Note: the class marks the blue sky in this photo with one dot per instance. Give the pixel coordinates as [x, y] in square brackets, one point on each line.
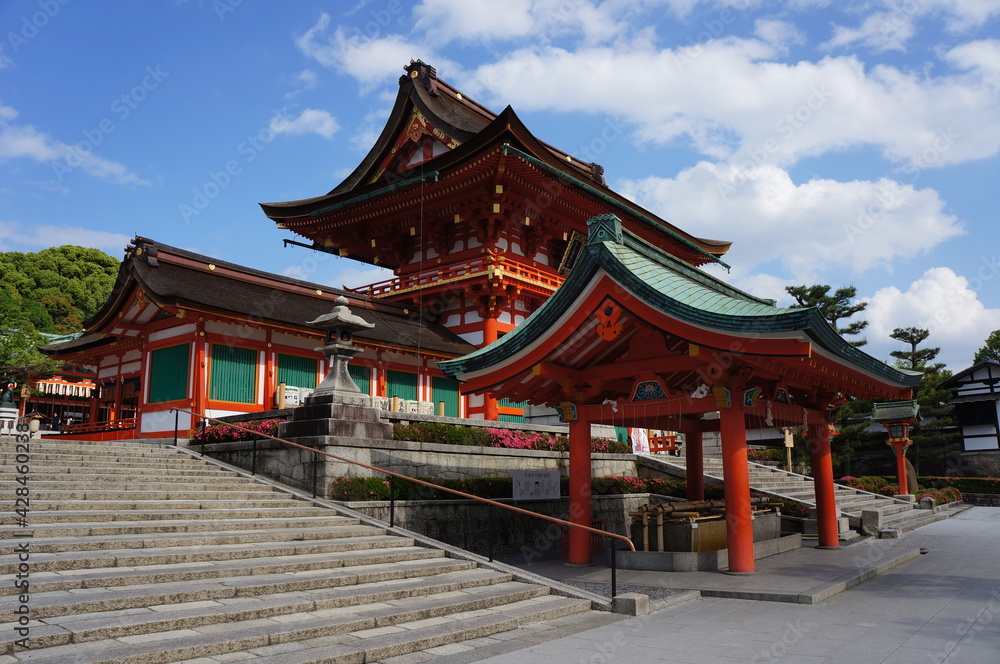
[839, 143]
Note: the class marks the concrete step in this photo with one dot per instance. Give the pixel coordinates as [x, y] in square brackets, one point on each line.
[145, 555]
[232, 503]
[115, 577]
[366, 583]
[153, 555]
[294, 510]
[107, 528]
[334, 635]
[200, 539]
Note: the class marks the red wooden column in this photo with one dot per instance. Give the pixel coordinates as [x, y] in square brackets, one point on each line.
[491, 334]
[826, 503]
[899, 449]
[579, 490]
[736, 473]
[694, 460]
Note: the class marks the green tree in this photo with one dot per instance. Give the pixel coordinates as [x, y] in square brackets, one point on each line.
[58, 287]
[835, 308]
[934, 437]
[991, 351]
[915, 359]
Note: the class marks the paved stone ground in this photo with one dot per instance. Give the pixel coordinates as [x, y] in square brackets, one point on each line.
[941, 608]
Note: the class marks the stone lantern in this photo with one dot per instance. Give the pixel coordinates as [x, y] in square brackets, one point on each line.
[897, 416]
[338, 386]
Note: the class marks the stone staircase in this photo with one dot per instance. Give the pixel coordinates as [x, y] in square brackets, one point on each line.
[888, 518]
[143, 554]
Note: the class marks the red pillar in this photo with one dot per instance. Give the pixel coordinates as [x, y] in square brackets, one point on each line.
[579, 490]
[736, 473]
[899, 449]
[693, 456]
[826, 503]
[491, 334]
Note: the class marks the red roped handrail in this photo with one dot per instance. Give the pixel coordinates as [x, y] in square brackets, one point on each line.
[413, 479]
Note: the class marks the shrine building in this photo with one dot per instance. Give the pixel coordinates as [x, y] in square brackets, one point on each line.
[480, 221]
[185, 330]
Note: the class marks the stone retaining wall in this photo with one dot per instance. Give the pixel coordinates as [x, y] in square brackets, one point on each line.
[517, 538]
[982, 499]
[294, 466]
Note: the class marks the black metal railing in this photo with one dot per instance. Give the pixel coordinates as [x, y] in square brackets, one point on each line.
[255, 435]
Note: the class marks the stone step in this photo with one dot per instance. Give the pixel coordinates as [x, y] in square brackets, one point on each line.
[440, 588]
[368, 583]
[114, 577]
[130, 505]
[104, 528]
[112, 472]
[201, 539]
[48, 562]
[367, 634]
[82, 515]
[252, 491]
[129, 486]
[144, 555]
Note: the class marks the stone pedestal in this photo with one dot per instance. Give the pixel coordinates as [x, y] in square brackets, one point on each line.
[326, 415]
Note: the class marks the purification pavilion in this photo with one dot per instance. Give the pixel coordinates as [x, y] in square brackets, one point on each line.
[636, 337]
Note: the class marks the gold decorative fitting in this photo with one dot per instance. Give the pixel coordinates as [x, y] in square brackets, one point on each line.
[459, 95]
[499, 189]
[413, 231]
[458, 218]
[414, 74]
[439, 261]
[373, 243]
[496, 208]
[569, 158]
[319, 292]
[406, 311]
[211, 267]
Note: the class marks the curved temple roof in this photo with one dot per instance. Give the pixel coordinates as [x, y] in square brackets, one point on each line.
[710, 310]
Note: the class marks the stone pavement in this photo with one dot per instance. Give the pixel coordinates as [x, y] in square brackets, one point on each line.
[942, 607]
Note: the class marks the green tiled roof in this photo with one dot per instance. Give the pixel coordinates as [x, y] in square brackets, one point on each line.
[678, 290]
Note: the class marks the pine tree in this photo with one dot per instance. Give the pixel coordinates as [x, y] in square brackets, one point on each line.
[917, 359]
[834, 308]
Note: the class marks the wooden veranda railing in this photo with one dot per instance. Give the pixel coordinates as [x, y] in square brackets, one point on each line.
[392, 474]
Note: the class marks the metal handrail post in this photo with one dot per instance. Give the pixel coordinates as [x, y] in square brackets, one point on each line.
[177, 419]
[614, 569]
[253, 457]
[392, 501]
[315, 470]
[489, 532]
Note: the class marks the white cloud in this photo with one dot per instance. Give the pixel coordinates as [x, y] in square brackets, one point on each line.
[943, 302]
[884, 31]
[319, 269]
[474, 21]
[981, 59]
[26, 142]
[894, 23]
[731, 95]
[310, 121]
[307, 78]
[777, 33]
[825, 226]
[370, 59]
[31, 237]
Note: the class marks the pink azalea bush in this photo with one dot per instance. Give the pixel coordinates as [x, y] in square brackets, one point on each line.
[450, 434]
[224, 433]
